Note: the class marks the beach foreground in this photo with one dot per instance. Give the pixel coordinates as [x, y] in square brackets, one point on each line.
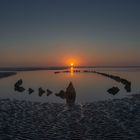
[108, 120]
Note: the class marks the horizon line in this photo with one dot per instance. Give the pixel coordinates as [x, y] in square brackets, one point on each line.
[76, 66]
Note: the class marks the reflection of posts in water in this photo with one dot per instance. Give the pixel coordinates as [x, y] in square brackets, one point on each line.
[71, 70]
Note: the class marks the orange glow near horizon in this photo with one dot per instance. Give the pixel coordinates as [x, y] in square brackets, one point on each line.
[71, 64]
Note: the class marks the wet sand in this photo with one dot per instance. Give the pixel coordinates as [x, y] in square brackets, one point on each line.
[30, 68]
[117, 119]
[7, 74]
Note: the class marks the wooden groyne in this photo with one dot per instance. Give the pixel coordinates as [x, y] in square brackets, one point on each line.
[125, 82]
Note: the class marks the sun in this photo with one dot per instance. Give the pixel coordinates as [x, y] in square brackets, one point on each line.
[71, 64]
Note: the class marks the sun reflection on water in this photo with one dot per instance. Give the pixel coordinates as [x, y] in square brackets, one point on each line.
[71, 70]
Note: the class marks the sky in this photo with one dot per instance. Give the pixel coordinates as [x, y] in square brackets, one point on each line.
[60, 32]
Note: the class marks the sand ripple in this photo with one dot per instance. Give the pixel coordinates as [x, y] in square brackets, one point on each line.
[107, 120]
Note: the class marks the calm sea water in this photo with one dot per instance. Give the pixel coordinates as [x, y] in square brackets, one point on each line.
[89, 86]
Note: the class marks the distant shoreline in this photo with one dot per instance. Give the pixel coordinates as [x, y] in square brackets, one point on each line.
[7, 74]
[30, 68]
[58, 68]
[9, 71]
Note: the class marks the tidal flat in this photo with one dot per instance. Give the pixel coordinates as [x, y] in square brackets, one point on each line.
[116, 119]
[7, 74]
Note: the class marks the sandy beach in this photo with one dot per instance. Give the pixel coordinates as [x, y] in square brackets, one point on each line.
[108, 120]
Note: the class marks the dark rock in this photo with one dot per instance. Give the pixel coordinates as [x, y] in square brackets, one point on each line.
[76, 71]
[113, 90]
[61, 94]
[57, 72]
[41, 91]
[67, 71]
[128, 87]
[18, 87]
[85, 71]
[19, 82]
[123, 81]
[30, 90]
[49, 92]
[70, 94]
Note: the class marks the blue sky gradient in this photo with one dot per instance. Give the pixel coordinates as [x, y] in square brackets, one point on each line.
[53, 32]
